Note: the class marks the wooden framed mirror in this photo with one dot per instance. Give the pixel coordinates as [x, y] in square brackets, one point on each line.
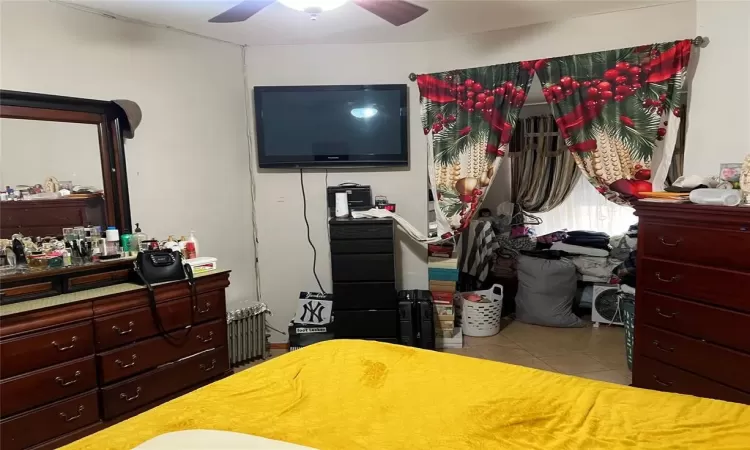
[51, 142]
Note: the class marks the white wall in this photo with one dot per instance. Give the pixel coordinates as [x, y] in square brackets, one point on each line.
[32, 150]
[284, 253]
[719, 118]
[188, 164]
[281, 230]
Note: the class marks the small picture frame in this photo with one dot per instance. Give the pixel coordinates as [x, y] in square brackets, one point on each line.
[731, 172]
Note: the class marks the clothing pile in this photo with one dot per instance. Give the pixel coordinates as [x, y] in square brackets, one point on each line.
[589, 243]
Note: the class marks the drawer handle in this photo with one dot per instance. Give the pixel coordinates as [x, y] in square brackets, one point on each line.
[125, 366]
[125, 397]
[72, 418]
[663, 383]
[670, 244]
[670, 280]
[209, 368]
[67, 347]
[209, 339]
[62, 382]
[658, 345]
[203, 311]
[119, 330]
[668, 316]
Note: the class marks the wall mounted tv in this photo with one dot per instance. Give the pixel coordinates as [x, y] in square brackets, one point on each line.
[331, 126]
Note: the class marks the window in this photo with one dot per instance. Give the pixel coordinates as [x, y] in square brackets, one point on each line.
[586, 209]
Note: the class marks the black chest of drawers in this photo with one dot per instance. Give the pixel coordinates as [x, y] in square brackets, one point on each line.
[364, 279]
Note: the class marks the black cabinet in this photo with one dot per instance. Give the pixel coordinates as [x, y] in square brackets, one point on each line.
[364, 282]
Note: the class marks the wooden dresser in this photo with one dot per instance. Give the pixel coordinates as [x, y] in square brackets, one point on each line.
[73, 364]
[692, 313]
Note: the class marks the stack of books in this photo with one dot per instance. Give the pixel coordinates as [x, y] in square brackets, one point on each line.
[443, 275]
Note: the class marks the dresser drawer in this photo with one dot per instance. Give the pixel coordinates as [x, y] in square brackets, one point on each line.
[143, 389]
[136, 324]
[364, 295]
[43, 386]
[651, 374]
[362, 230]
[716, 325]
[371, 324]
[361, 246]
[712, 361]
[363, 267]
[210, 305]
[46, 348]
[720, 287]
[139, 357]
[42, 424]
[707, 247]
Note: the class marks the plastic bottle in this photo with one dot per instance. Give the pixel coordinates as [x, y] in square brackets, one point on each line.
[183, 242]
[137, 239]
[194, 240]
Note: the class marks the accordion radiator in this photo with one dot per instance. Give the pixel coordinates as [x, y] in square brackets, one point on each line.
[247, 336]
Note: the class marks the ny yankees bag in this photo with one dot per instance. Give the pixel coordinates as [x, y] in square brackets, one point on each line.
[314, 308]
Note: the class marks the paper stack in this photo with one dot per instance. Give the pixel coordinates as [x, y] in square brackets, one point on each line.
[443, 274]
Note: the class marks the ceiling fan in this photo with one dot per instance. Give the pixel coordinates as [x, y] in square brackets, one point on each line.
[397, 12]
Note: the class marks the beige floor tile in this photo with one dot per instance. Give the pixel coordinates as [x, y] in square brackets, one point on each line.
[574, 363]
[497, 339]
[611, 376]
[612, 358]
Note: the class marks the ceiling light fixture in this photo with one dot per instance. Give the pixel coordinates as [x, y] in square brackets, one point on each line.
[313, 7]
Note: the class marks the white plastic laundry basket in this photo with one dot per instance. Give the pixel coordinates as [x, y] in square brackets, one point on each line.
[482, 319]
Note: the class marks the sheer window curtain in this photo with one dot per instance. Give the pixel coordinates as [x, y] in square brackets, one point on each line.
[586, 209]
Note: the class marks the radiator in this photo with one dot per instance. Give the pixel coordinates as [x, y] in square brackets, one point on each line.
[247, 338]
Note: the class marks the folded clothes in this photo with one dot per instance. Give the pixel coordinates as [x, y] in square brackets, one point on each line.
[544, 254]
[579, 250]
[593, 266]
[583, 233]
[593, 242]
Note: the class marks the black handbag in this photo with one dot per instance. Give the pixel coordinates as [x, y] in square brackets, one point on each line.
[159, 266]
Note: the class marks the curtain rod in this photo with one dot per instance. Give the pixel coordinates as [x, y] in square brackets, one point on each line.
[699, 41]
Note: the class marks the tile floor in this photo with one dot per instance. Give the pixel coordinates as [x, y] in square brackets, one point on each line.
[596, 353]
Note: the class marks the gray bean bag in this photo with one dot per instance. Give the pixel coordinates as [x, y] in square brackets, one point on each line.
[546, 289]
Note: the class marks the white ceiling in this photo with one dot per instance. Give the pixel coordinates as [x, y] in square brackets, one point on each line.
[278, 24]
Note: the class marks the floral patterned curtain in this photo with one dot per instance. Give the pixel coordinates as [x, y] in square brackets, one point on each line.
[468, 116]
[619, 113]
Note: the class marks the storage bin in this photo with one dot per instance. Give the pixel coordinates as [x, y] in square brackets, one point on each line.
[482, 319]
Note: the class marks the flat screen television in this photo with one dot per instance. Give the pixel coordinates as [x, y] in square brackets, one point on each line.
[331, 126]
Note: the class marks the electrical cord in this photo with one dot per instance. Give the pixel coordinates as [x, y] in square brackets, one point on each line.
[307, 224]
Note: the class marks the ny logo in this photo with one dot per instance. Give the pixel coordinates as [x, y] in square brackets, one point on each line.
[316, 312]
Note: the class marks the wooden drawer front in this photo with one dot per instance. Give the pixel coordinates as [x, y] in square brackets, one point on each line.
[23, 354]
[30, 291]
[82, 282]
[43, 386]
[136, 324]
[362, 246]
[717, 248]
[210, 305]
[126, 361]
[708, 323]
[367, 295]
[721, 287]
[717, 363]
[143, 389]
[362, 231]
[43, 424]
[374, 267]
[651, 374]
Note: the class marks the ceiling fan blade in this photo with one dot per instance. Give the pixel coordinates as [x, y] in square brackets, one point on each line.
[241, 12]
[397, 12]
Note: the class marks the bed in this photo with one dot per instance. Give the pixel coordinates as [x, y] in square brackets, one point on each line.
[367, 395]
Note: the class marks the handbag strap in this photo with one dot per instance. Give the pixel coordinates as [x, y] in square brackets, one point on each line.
[176, 341]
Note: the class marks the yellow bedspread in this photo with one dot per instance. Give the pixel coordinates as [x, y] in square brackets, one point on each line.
[367, 395]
